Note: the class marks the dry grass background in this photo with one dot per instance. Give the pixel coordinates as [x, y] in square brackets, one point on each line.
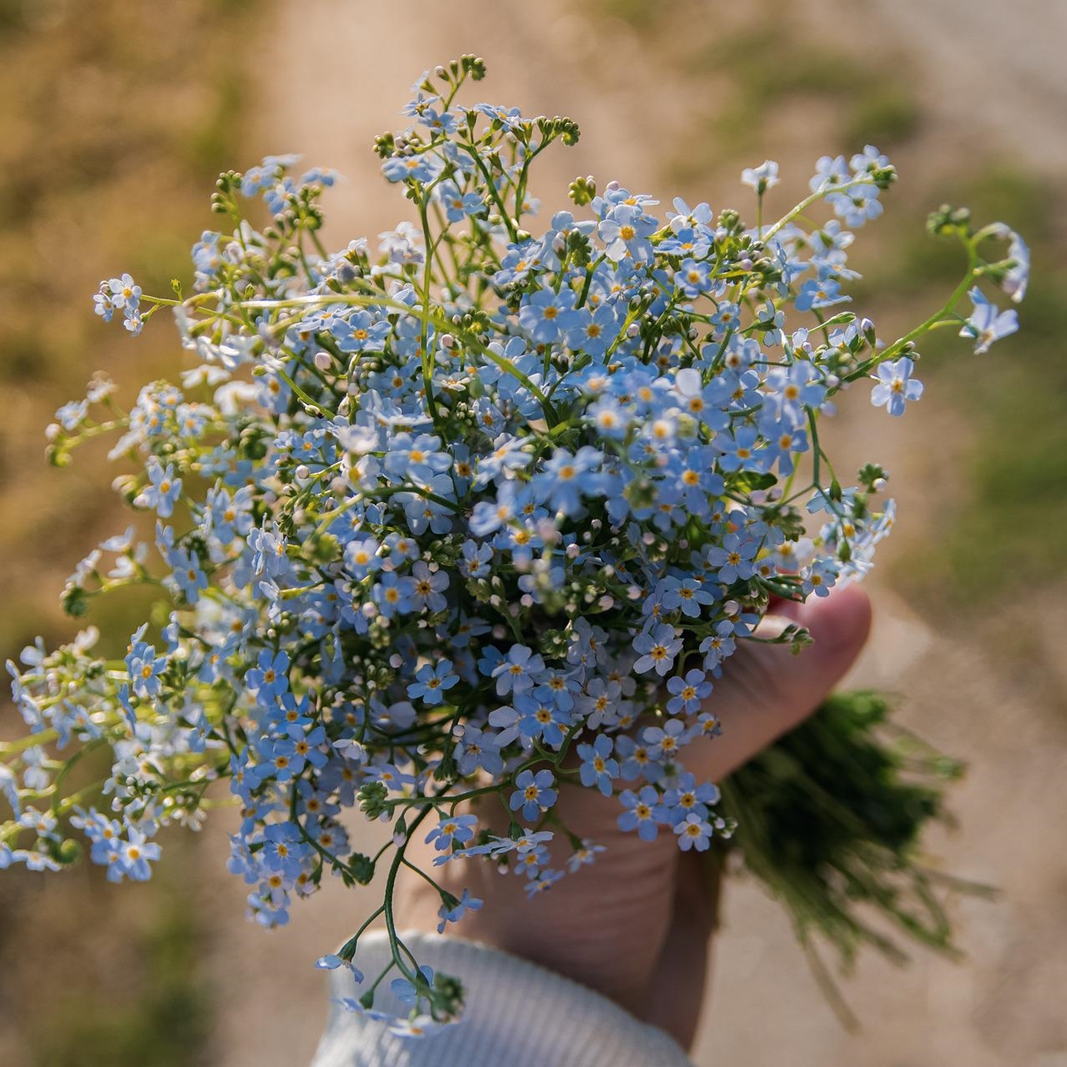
[115, 121]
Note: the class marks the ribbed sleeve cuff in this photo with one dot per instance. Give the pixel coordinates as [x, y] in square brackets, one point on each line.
[518, 1014]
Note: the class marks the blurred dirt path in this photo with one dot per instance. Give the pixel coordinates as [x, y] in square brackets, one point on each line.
[991, 68]
[334, 74]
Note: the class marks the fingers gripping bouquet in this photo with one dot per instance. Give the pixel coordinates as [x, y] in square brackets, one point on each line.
[479, 512]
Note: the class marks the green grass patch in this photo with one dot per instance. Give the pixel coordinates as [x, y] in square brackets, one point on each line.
[162, 1019]
[638, 14]
[884, 113]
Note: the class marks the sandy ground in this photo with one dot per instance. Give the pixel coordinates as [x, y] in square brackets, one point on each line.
[1002, 1007]
[1006, 58]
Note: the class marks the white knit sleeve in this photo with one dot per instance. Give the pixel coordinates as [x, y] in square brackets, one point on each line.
[517, 1015]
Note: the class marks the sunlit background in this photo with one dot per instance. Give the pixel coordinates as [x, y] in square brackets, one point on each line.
[115, 117]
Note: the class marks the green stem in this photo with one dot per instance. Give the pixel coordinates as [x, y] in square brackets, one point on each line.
[804, 204]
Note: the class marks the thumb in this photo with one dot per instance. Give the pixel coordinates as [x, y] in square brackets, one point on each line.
[766, 690]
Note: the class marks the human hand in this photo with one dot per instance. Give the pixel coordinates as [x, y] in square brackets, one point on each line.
[636, 924]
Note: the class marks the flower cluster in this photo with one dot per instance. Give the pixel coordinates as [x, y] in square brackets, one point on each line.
[475, 511]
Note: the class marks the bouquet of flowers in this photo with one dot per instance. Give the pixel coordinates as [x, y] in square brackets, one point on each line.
[482, 511]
